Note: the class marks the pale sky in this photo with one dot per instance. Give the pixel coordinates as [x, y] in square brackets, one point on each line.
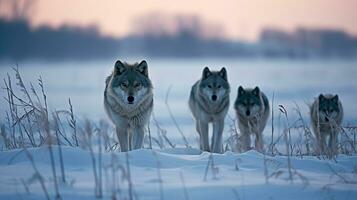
[241, 19]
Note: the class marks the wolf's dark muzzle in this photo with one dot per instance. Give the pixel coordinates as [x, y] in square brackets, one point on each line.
[130, 99]
[247, 112]
[214, 97]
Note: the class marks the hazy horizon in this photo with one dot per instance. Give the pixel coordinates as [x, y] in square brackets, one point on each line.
[233, 19]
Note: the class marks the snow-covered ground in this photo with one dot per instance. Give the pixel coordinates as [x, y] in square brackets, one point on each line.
[182, 172]
[185, 173]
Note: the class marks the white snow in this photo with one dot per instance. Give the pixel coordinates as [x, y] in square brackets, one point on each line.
[233, 176]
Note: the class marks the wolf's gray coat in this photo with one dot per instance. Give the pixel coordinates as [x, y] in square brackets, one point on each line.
[209, 103]
[252, 109]
[326, 114]
[128, 101]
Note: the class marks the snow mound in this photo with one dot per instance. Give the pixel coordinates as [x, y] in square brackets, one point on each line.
[179, 173]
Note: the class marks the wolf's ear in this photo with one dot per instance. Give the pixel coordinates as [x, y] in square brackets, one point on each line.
[223, 73]
[335, 99]
[206, 73]
[143, 68]
[119, 67]
[321, 97]
[256, 91]
[241, 91]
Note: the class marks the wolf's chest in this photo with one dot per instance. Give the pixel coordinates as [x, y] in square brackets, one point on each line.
[132, 116]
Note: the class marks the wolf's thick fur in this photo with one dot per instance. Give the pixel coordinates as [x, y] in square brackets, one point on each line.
[326, 117]
[252, 109]
[128, 101]
[209, 103]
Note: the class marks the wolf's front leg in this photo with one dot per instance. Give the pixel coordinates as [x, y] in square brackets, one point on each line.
[245, 141]
[138, 137]
[203, 130]
[322, 144]
[259, 146]
[216, 145]
[123, 137]
[333, 143]
[318, 142]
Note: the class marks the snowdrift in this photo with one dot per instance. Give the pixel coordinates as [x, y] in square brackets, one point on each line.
[180, 173]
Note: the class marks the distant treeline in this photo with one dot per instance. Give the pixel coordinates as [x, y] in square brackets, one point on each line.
[307, 43]
[19, 41]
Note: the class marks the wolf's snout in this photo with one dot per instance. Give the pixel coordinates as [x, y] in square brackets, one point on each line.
[130, 99]
[247, 112]
[214, 97]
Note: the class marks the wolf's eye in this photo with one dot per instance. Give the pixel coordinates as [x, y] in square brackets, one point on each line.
[209, 86]
[219, 86]
[137, 85]
[249, 104]
[123, 84]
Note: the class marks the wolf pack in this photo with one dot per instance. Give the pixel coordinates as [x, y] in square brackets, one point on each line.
[128, 101]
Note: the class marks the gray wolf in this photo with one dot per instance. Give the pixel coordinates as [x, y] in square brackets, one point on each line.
[252, 109]
[326, 114]
[209, 103]
[128, 101]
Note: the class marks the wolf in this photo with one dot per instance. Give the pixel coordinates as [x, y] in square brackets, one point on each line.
[209, 103]
[128, 101]
[326, 114]
[252, 110]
